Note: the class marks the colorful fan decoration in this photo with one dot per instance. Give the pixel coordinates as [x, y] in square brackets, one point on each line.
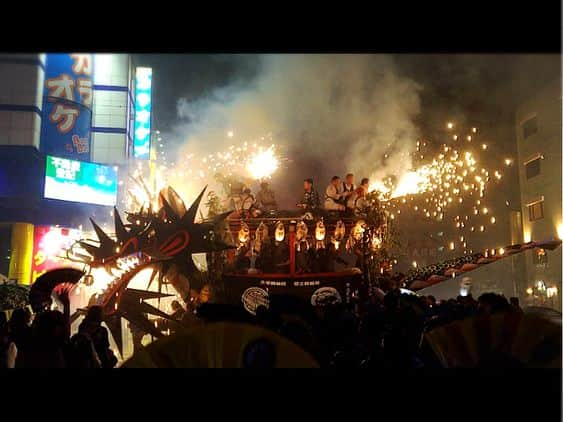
[508, 339]
[59, 281]
[222, 345]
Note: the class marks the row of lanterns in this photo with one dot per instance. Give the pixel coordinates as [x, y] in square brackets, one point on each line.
[261, 234]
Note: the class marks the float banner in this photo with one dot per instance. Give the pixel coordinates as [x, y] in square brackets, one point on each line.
[317, 289]
[78, 181]
[67, 106]
[49, 249]
[143, 108]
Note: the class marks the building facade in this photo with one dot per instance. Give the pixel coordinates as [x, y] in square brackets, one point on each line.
[77, 108]
[538, 133]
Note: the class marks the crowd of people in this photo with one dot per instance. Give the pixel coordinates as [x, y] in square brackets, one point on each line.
[384, 330]
[44, 341]
[340, 196]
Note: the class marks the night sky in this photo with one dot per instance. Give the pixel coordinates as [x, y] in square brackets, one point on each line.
[483, 87]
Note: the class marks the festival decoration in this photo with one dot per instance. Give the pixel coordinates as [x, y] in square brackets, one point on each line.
[161, 236]
[223, 345]
[320, 233]
[301, 231]
[280, 232]
[421, 278]
[260, 236]
[59, 281]
[244, 234]
[521, 339]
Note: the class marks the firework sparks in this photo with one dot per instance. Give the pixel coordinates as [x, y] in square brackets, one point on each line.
[263, 164]
[442, 181]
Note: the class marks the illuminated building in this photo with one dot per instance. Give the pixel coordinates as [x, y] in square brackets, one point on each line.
[59, 114]
[113, 108]
[538, 133]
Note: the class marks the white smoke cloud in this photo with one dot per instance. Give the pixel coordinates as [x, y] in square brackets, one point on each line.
[339, 113]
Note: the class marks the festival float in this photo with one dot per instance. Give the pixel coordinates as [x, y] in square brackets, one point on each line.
[249, 258]
[291, 256]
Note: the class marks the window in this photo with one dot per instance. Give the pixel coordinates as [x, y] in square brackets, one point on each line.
[530, 126]
[533, 167]
[535, 211]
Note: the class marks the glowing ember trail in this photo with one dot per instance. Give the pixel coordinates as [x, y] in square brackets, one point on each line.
[440, 184]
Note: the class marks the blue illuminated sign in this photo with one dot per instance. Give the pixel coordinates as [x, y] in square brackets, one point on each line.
[143, 107]
[67, 106]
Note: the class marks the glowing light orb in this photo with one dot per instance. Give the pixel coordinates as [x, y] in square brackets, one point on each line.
[263, 164]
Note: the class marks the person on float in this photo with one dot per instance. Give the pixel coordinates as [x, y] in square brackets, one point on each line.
[333, 196]
[247, 203]
[357, 200]
[310, 200]
[348, 186]
[266, 198]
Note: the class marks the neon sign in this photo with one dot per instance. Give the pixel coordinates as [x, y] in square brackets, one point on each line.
[143, 108]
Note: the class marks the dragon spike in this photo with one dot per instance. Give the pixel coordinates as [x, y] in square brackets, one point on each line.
[114, 324]
[105, 240]
[142, 323]
[189, 216]
[91, 249]
[153, 275]
[220, 217]
[145, 308]
[176, 201]
[134, 295]
[170, 213]
[120, 230]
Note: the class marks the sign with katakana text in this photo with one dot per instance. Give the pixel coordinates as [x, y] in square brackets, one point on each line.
[67, 105]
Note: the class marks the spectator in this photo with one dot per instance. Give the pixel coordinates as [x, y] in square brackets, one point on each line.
[91, 326]
[515, 304]
[20, 329]
[8, 349]
[491, 303]
[48, 342]
[81, 352]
